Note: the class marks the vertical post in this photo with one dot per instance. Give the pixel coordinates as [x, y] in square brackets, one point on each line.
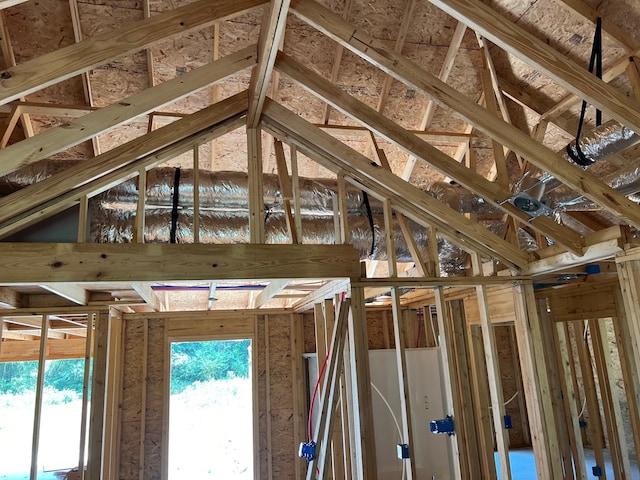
[455, 330]
[482, 407]
[85, 393]
[556, 391]
[140, 210]
[460, 469]
[610, 401]
[518, 378]
[42, 358]
[143, 397]
[348, 417]
[337, 452]
[267, 376]
[256, 197]
[196, 194]
[321, 341]
[98, 398]
[536, 383]
[82, 219]
[344, 218]
[113, 396]
[571, 402]
[296, 190]
[401, 362]
[495, 380]
[629, 279]
[593, 409]
[629, 373]
[297, 373]
[365, 449]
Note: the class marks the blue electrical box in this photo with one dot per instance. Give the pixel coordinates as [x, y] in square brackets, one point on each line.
[403, 450]
[307, 450]
[508, 424]
[592, 269]
[597, 471]
[444, 425]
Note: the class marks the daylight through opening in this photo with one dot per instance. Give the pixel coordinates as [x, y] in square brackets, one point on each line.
[211, 410]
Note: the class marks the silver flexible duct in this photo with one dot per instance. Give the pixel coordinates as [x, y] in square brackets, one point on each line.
[541, 196]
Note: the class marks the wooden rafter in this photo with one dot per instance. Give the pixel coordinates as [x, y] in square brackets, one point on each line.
[611, 29]
[132, 169]
[61, 64]
[509, 136]
[389, 130]
[10, 61]
[406, 198]
[74, 293]
[520, 43]
[445, 71]
[60, 138]
[407, 17]
[54, 188]
[335, 67]
[274, 287]
[271, 33]
[86, 82]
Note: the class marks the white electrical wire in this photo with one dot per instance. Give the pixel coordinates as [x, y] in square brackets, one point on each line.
[584, 404]
[511, 399]
[395, 420]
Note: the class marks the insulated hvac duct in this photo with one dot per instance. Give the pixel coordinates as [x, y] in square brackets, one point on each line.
[224, 215]
[539, 196]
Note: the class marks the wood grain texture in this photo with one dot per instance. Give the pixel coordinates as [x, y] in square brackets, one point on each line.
[407, 199]
[60, 138]
[153, 142]
[66, 62]
[67, 262]
[520, 43]
[416, 77]
[410, 143]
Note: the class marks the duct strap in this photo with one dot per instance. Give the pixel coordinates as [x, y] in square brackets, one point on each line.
[595, 62]
[174, 209]
[365, 198]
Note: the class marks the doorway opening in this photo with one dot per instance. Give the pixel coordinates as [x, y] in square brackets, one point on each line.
[211, 410]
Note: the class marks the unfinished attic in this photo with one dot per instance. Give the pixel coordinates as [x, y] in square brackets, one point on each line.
[342, 239]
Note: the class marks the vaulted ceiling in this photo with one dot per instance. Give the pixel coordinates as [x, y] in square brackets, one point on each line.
[436, 108]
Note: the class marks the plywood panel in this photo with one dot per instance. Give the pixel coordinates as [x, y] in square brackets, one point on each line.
[501, 306]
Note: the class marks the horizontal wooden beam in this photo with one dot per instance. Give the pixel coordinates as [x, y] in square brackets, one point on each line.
[386, 128]
[66, 62]
[431, 136]
[406, 198]
[436, 282]
[60, 138]
[69, 262]
[27, 350]
[533, 51]
[418, 78]
[593, 253]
